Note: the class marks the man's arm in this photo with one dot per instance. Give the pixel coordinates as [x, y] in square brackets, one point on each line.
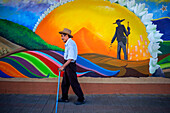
[127, 32]
[65, 64]
[114, 37]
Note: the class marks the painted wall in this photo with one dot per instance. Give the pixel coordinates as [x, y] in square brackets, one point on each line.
[31, 47]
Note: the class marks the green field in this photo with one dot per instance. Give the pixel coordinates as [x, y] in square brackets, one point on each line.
[165, 63]
[23, 36]
[165, 47]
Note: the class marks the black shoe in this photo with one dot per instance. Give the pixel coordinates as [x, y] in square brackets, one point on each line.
[63, 100]
[80, 102]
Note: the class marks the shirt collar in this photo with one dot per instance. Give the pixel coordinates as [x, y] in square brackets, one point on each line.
[67, 41]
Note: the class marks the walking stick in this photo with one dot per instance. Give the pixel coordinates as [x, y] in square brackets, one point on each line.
[58, 91]
[109, 48]
[127, 45]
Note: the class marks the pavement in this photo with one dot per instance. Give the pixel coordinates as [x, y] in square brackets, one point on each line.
[96, 103]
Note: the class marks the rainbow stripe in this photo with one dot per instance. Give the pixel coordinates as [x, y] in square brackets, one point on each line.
[44, 64]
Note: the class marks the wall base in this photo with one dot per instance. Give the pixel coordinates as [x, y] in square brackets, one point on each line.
[89, 86]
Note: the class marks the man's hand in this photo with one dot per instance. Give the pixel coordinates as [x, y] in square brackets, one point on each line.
[64, 65]
[128, 29]
[110, 45]
[61, 68]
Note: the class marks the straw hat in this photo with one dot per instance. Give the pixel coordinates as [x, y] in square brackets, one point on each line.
[117, 21]
[66, 31]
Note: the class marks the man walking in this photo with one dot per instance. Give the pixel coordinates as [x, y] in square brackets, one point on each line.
[69, 67]
[121, 38]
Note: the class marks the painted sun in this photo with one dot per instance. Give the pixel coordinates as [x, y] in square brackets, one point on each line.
[92, 28]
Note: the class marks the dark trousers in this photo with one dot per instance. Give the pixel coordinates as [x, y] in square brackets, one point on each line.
[123, 46]
[70, 78]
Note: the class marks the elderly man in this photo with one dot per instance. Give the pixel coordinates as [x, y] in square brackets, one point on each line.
[69, 67]
[121, 38]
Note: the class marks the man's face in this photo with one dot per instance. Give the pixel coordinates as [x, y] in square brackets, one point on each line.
[64, 37]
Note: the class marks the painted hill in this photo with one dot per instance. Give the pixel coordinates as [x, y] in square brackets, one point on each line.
[164, 62]
[164, 59]
[127, 68]
[7, 47]
[165, 47]
[23, 36]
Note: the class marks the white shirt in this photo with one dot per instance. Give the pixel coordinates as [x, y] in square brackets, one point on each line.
[70, 50]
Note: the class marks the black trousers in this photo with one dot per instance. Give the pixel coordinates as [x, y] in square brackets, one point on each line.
[70, 78]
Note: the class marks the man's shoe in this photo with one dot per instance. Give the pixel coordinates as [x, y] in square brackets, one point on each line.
[63, 100]
[80, 102]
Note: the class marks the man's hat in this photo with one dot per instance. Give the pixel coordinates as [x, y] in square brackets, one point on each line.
[118, 20]
[66, 31]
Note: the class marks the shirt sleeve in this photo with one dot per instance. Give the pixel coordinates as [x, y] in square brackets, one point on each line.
[71, 52]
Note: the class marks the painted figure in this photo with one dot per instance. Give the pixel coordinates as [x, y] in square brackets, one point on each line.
[69, 67]
[121, 38]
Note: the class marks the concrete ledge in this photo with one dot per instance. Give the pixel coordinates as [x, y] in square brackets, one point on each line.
[89, 86]
[127, 80]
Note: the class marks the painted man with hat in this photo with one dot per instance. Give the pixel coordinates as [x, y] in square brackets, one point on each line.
[69, 67]
[121, 38]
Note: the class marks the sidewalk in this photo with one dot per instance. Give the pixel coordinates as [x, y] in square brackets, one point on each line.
[106, 103]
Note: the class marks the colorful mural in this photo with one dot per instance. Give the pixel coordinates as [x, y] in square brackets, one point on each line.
[31, 47]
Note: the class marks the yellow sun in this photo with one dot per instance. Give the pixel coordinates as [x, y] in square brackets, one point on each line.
[92, 21]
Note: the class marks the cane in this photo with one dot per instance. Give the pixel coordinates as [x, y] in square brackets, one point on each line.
[127, 44]
[110, 48]
[58, 91]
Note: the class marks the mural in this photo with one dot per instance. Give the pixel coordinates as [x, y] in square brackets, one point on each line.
[115, 38]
